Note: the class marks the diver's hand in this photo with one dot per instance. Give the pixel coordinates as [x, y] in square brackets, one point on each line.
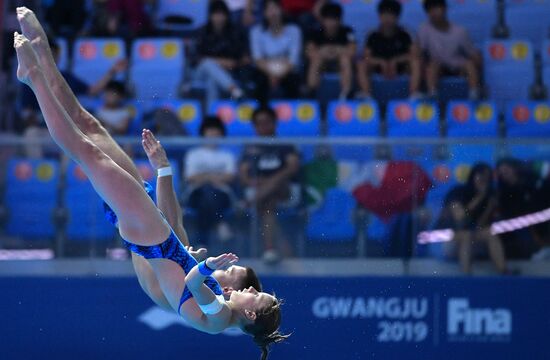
[154, 150]
[222, 261]
[199, 254]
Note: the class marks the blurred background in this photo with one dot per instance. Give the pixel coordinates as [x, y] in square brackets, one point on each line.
[315, 139]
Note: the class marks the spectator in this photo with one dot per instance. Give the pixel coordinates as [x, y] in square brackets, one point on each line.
[210, 172]
[389, 51]
[276, 48]
[66, 17]
[267, 172]
[31, 116]
[331, 47]
[114, 115]
[242, 12]
[470, 209]
[448, 49]
[304, 13]
[521, 192]
[132, 16]
[221, 48]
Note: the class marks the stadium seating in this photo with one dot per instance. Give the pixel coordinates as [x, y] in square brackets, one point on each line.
[545, 52]
[236, 116]
[63, 57]
[528, 19]
[31, 198]
[353, 118]
[361, 16]
[156, 68]
[412, 118]
[189, 112]
[195, 11]
[86, 221]
[509, 69]
[477, 16]
[527, 119]
[334, 220]
[149, 175]
[93, 57]
[297, 117]
[468, 119]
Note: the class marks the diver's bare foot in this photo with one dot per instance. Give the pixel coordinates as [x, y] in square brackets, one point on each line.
[28, 62]
[31, 28]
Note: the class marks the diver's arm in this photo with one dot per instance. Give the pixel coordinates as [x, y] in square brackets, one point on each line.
[167, 200]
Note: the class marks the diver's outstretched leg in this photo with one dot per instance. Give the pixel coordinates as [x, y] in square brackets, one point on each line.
[139, 220]
[88, 124]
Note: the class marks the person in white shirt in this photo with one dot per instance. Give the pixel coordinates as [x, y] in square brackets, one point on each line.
[113, 114]
[209, 172]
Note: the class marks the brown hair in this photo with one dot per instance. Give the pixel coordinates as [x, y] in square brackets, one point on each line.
[250, 279]
[265, 328]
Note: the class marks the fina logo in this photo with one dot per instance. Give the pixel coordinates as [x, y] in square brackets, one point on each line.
[158, 319]
[465, 323]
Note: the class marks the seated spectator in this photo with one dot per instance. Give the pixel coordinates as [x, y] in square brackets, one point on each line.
[209, 172]
[31, 116]
[331, 47]
[470, 209]
[66, 17]
[520, 192]
[267, 173]
[389, 51]
[242, 12]
[447, 49]
[304, 13]
[114, 115]
[276, 49]
[221, 48]
[132, 16]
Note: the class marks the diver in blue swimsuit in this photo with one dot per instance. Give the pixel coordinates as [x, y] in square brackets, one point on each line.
[139, 221]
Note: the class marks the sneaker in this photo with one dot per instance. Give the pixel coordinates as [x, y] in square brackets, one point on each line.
[416, 96]
[271, 257]
[362, 96]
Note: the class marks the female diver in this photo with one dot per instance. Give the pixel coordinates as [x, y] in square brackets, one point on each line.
[188, 287]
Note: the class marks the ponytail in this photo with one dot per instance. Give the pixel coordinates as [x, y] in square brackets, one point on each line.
[265, 341]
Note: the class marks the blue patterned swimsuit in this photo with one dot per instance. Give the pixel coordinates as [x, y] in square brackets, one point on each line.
[171, 249]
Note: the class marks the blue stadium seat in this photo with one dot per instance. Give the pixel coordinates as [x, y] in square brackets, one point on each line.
[31, 198]
[412, 118]
[93, 57]
[297, 117]
[189, 113]
[156, 68]
[545, 52]
[236, 116]
[149, 175]
[528, 19]
[92, 104]
[353, 118]
[195, 10]
[409, 118]
[63, 57]
[452, 88]
[527, 119]
[384, 90]
[477, 16]
[509, 69]
[334, 220]
[86, 220]
[467, 119]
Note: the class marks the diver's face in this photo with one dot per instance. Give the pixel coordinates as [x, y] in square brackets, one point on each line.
[231, 278]
[251, 299]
